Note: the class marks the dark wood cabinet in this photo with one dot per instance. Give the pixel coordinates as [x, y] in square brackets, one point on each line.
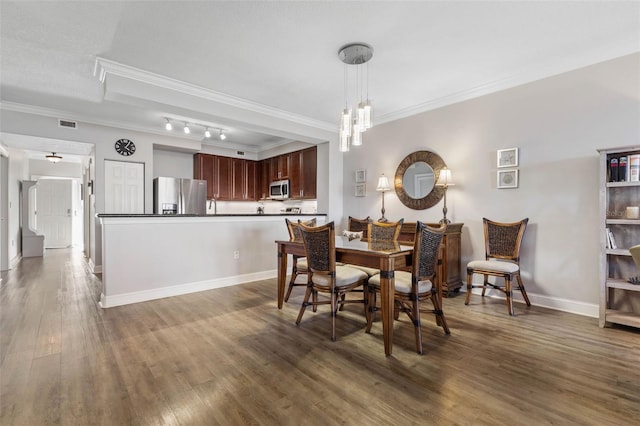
[302, 173]
[228, 179]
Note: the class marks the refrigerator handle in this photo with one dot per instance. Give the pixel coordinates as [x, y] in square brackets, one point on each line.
[180, 201]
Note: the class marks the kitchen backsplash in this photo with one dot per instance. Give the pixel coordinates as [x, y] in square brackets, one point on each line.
[270, 207]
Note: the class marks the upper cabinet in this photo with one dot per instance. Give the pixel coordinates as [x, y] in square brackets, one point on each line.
[237, 179]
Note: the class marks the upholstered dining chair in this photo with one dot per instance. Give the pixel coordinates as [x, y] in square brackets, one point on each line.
[502, 260]
[419, 285]
[380, 231]
[359, 225]
[299, 266]
[324, 275]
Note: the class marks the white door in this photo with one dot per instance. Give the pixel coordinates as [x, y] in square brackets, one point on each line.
[53, 212]
[124, 187]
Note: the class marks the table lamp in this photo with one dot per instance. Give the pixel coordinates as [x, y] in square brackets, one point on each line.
[445, 181]
[383, 186]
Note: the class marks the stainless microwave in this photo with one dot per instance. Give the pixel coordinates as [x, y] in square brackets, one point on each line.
[279, 190]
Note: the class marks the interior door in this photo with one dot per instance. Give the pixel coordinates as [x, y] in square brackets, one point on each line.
[53, 212]
[124, 187]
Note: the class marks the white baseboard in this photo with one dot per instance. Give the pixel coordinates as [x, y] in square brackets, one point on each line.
[95, 269]
[177, 290]
[559, 304]
[14, 262]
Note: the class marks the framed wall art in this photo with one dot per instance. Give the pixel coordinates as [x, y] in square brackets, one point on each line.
[507, 179]
[361, 190]
[508, 157]
[361, 176]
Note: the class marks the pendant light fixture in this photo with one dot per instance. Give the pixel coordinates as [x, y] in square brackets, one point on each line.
[354, 123]
[53, 157]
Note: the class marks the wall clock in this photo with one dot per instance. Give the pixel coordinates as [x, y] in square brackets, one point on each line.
[125, 147]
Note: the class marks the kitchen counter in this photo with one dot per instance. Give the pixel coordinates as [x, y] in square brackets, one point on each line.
[147, 257]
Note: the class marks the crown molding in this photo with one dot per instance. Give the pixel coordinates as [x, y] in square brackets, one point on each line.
[103, 67]
[549, 68]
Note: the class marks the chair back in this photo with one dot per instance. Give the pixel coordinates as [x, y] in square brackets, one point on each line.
[385, 231]
[359, 225]
[294, 229]
[320, 247]
[502, 240]
[425, 251]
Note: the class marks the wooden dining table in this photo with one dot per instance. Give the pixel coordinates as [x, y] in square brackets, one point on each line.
[386, 256]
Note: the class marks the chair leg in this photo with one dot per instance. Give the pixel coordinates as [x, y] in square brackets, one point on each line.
[334, 311]
[485, 283]
[305, 302]
[371, 311]
[342, 299]
[523, 291]
[415, 313]
[469, 287]
[315, 301]
[440, 319]
[509, 292]
[294, 275]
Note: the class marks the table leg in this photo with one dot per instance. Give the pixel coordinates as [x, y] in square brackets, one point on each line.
[387, 289]
[282, 274]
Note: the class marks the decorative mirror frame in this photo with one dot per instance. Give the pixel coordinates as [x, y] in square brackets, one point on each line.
[431, 199]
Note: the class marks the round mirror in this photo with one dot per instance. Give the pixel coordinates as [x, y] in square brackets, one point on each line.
[418, 180]
[415, 180]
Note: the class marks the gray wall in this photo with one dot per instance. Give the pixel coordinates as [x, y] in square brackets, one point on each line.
[557, 124]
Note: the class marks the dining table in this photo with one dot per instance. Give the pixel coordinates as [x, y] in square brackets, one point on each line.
[387, 256]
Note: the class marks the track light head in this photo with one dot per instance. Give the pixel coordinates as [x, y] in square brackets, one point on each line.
[168, 125]
[186, 128]
[222, 135]
[207, 133]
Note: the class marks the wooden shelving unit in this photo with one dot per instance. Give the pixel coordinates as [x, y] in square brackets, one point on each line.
[619, 299]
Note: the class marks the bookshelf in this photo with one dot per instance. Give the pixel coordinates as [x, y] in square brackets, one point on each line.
[619, 299]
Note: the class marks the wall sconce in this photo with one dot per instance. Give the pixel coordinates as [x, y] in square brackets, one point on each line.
[383, 186]
[445, 181]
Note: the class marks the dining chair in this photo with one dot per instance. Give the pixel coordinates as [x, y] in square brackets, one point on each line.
[419, 285]
[502, 260]
[299, 266]
[380, 231]
[359, 225]
[324, 275]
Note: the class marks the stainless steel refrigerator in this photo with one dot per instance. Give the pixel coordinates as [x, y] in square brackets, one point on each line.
[179, 196]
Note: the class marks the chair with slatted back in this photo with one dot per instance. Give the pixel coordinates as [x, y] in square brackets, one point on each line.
[502, 260]
[359, 225]
[299, 266]
[419, 285]
[324, 275]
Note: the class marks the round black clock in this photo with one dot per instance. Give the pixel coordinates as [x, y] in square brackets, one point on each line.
[125, 147]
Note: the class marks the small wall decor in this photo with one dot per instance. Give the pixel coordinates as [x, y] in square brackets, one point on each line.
[507, 179]
[361, 190]
[508, 157]
[361, 175]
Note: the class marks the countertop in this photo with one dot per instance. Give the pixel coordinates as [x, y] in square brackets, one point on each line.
[210, 215]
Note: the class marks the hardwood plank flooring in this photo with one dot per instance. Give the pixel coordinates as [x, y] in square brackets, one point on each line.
[230, 357]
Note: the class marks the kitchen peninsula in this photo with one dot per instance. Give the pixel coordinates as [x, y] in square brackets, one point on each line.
[147, 257]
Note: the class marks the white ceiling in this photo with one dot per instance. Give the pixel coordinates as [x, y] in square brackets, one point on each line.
[268, 71]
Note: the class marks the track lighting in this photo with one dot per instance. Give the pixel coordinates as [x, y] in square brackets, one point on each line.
[222, 135]
[168, 125]
[186, 128]
[53, 157]
[207, 133]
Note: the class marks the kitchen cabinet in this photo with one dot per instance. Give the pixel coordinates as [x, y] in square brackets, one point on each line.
[228, 179]
[302, 173]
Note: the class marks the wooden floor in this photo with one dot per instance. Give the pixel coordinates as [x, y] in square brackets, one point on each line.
[230, 357]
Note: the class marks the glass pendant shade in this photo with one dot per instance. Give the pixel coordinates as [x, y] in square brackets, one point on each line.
[368, 112]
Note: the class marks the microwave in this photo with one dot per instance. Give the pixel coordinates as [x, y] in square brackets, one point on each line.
[279, 190]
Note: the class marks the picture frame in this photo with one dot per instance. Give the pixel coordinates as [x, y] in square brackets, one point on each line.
[361, 175]
[360, 190]
[507, 179]
[507, 157]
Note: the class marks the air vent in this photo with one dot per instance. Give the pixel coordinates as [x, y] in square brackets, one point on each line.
[68, 124]
[240, 152]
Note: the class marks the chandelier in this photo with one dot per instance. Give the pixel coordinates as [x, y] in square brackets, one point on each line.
[353, 122]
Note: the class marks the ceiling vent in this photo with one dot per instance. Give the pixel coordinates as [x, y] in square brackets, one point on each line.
[68, 124]
[240, 152]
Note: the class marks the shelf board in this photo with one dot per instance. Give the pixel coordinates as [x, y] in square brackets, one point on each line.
[619, 252]
[622, 284]
[624, 318]
[623, 221]
[621, 184]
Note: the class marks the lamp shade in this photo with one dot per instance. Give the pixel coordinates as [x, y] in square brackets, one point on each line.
[444, 179]
[383, 183]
